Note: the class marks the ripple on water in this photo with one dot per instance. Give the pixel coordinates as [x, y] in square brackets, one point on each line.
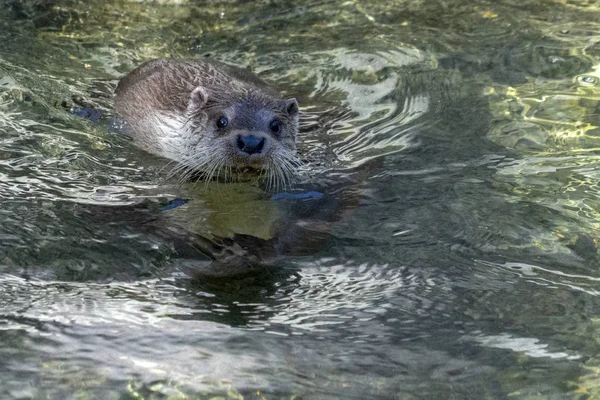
[392, 96]
[552, 125]
[158, 328]
[99, 333]
[374, 109]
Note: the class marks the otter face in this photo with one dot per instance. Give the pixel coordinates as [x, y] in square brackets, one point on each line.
[237, 132]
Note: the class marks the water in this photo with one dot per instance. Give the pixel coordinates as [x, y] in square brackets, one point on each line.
[453, 252]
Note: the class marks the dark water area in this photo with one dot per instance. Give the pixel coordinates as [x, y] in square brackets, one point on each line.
[452, 251]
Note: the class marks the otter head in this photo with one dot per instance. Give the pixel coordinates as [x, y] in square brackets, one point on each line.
[241, 130]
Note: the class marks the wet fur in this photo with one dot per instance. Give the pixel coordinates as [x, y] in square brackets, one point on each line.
[169, 107]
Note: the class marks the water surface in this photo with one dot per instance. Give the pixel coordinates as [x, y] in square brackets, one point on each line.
[453, 252]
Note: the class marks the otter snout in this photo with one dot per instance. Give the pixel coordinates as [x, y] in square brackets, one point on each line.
[250, 144]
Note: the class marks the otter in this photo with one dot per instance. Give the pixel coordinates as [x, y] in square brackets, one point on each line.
[211, 118]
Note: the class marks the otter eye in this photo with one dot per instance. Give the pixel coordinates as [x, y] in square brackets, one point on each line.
[222, 122]
[275, 126]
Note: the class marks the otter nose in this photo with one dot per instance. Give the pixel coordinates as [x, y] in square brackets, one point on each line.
[250, 144]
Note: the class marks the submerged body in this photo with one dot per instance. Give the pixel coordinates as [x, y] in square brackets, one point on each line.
[211, 118]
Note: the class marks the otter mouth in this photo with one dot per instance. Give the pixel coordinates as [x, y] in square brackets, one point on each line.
[249, 163]
[267, 168]
[249, 168]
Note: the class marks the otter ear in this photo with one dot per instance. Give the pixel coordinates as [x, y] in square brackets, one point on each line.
[291, 106]
[198, 98]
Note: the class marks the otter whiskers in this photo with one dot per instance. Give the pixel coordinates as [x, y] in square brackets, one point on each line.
[279, 173]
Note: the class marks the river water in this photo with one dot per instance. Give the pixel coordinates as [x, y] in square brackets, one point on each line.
[441, 243]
